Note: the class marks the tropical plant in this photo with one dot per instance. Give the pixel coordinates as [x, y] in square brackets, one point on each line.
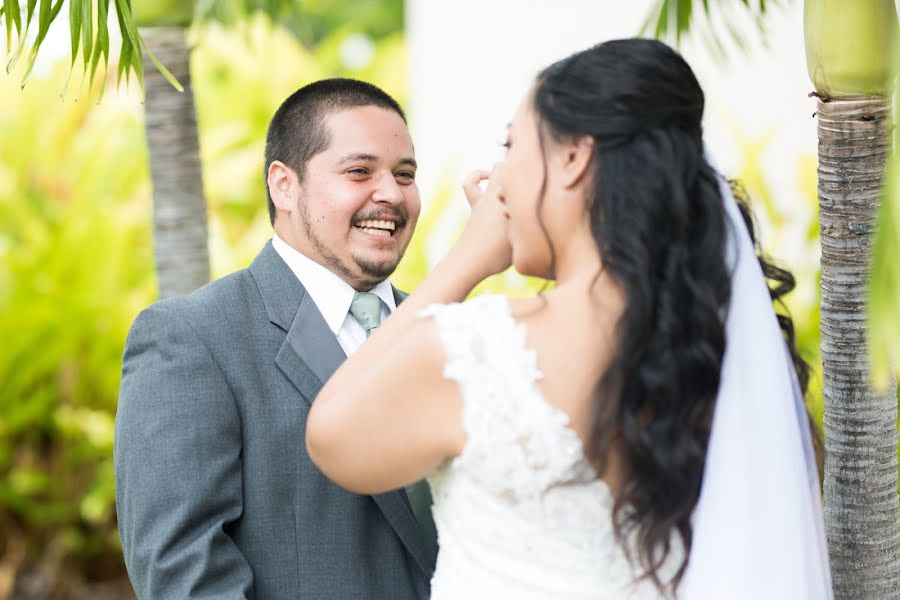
[884, 294]
[674, 19]
[151, 28]
[76, 266]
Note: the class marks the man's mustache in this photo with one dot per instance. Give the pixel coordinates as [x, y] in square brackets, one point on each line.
[385, 214]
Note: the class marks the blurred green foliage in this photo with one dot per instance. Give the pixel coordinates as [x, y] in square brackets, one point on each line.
[76, 261]
[76, 264]
[75, 267]
[313, 21]
[884, 293]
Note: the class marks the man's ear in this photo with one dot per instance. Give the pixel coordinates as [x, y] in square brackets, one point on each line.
[577, 156]
[283, 185]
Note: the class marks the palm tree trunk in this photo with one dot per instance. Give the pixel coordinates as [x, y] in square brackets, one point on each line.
[179, 206]
[861, 501]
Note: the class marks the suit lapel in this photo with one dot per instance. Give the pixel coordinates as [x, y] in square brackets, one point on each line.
[311, 343]
[399, 296]
[308, 357]
[396, 508]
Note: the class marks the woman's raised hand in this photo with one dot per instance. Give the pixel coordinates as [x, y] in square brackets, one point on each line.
[485, 241]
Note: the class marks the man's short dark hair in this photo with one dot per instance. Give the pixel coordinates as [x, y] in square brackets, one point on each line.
[298, 132]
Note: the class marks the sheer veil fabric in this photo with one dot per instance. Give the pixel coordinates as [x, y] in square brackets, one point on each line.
[758, 525]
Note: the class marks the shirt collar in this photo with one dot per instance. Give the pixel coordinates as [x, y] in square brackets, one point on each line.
[331, 294]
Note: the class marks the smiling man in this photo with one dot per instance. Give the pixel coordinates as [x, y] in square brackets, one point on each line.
[215, 494]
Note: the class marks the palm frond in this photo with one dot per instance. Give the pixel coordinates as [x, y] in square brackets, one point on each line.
[90, 34]
[672, 20]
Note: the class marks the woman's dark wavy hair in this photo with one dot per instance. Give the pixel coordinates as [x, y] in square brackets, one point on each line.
[659, 222]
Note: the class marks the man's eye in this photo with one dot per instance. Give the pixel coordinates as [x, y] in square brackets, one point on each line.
[358, 171]
[406, 175]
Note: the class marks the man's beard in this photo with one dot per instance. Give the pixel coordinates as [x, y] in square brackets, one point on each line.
[373, 272]
[379, 271]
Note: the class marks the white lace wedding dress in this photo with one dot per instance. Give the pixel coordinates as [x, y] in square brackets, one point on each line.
[520, 513]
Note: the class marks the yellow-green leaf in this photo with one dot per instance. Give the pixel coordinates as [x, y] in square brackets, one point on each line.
[126, 21]
[46, 14]
[74, 27]
[884, 284]
[87, 30]
[13, 17]
[165, 72]
[102, 44]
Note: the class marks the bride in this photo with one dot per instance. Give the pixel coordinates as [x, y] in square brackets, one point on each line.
[638, 431]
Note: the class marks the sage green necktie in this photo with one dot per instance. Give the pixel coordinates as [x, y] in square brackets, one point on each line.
[366, 308]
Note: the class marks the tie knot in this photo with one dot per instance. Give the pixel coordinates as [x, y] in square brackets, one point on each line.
[366, 308]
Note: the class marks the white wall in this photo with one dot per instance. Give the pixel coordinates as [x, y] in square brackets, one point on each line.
[472, 60]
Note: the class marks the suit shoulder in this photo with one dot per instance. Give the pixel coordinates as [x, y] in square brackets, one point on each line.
[225, 300]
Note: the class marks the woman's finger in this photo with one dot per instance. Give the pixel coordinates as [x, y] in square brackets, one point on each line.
[471, 185]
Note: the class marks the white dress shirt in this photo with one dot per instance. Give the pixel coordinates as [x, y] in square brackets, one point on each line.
[332, 295]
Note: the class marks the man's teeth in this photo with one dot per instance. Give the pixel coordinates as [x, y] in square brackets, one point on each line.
[379, 228]
[390, 225]
[378, 232]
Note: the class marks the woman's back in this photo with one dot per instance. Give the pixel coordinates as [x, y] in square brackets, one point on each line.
[520, 512]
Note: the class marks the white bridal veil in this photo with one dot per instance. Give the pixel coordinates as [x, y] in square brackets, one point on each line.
[758, 527]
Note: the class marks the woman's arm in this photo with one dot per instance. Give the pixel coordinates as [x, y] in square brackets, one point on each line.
[388, 417]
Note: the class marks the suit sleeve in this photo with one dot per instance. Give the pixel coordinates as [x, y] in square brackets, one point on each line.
[178, 465]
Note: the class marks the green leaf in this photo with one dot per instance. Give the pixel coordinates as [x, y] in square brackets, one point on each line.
[75, 17]
[14, 58]
[129, 29]
[124, 62]
[884, 291]
[12, 16]
[652, 17]
[87, 30]
[47, 12]
[685, 8]
[74, 27]
[102, 45]
[662, 22]
[127, 20]
[30, 13]
[124, 52]
[165, 72]
[674, 20]
[883, 302]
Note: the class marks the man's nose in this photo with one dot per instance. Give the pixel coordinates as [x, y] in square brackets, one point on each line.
[387, 190]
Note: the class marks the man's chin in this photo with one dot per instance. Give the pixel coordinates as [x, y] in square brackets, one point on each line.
[376, 272]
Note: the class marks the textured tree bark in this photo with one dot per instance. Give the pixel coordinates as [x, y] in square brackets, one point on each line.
[179, 206]
[861, 501]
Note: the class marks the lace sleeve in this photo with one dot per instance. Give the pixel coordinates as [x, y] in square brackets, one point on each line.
[517, 444]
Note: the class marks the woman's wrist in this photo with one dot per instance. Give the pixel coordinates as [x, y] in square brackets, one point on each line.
[460, 271]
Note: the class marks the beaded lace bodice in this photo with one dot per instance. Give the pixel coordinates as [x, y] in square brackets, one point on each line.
[520, 512]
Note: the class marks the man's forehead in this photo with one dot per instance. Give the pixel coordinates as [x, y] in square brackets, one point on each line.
[369, 131]
[372, 119]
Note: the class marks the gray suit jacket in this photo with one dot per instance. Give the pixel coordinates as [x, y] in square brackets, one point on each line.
[215, 495]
